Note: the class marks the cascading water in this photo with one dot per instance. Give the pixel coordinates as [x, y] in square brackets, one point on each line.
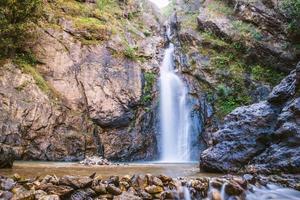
[175, 122]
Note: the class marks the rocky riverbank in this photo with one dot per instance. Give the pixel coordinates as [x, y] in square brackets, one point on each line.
[134, 187]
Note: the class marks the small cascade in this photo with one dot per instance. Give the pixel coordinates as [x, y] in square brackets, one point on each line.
[175, 114]
[272, 192]
[187, 195]
[223, 192]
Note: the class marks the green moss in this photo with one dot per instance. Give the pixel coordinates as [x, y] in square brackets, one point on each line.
[130, 52]
[149, 78]
[266, 75]
[227, 99]
[292, 11]
[247, 30]
[26, 63]
[189, 20]
[221, 62]
[220, 7]
[213, 40]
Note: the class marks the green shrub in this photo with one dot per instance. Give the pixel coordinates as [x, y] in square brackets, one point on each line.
[149, 78]
[103, 3]
[292, 10]
[223, 90]
[26, 62]
[130, 52]
[247, 30]
[17, 18]
[267, 75]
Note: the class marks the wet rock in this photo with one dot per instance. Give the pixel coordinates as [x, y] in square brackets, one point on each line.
[112, 189]
[127, 196]
[76, 182]
[60, 190]
[165, 179]
[20, 193]
[100, 189]
[145, 195]
[106, 197]
[124, 185]
[201, 185]
[7, 184]
[285, 90]
[139, 182]
[95, 160]
[233, 189]
[82, 195]
[6, 195]
[126, 178]
[114, 180]
[216, 195]
[262, 137]
[156, 181]
[50, 179]
[169, 195]
[7, 156]
[153, 189]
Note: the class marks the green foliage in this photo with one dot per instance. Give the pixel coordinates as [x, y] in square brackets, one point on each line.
[267, 75]
[223, 90]
[292, 9]
[220, 7]
[149, 78]
[130, 52]
[227, 99]
[103, 3]
[26, 63]
[221, 62]
[213, 40]
[16, 19]
[247, 30]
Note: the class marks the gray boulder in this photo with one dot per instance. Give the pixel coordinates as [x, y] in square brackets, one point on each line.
[7, 157]
[263, 137]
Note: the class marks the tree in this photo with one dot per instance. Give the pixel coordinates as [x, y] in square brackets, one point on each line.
[17, 17]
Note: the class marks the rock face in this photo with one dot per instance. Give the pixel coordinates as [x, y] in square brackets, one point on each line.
[262, 137]
[259, 25]
[7, 157]
[85, 94]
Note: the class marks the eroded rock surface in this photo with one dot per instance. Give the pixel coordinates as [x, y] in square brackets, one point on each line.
[262, 137]
[85, 95]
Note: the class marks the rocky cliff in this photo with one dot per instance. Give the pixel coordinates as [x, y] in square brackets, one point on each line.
[90, 87]
[262, 137]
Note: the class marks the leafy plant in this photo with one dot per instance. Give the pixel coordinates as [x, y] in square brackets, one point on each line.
[26, 63]
[149, 78]
[16, 20]
[130, 52]
[292, 10]
[103, 3]
[268, 75]
[247, 30]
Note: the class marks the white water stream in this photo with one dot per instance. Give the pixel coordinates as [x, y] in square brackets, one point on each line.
[175, 115]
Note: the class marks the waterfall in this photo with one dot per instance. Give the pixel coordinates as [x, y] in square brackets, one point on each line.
[175, 115]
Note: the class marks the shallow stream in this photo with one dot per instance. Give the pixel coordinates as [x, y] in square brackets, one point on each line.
[34, 169]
